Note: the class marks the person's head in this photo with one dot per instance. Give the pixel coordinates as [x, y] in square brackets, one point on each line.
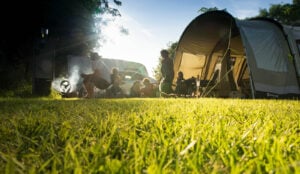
[94, 56]
[114, 71]
[180, 74]
[164, 54]
[146, 81]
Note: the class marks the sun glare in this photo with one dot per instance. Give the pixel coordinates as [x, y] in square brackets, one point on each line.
[137, 45]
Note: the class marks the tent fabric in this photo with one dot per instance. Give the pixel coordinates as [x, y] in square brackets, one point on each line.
[293, 34]
[262, 43]
[262, 36]
[268, 57]
[192, 62]
[200, 38]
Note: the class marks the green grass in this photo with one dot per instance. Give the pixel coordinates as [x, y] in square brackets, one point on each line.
[149, 136]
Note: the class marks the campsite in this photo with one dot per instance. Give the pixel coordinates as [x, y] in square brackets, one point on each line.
[252, 58]
[69, 69]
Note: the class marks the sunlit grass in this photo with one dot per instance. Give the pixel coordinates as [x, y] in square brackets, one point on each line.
[149, 136]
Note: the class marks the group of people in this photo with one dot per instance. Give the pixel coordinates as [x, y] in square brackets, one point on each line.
[113, 89]
[138, 89]
[145, 90]
[183, 87]
[187, 87]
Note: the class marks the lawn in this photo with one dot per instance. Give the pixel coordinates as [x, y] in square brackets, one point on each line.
[149, 136]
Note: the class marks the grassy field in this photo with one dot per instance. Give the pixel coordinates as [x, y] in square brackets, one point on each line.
[149, 136]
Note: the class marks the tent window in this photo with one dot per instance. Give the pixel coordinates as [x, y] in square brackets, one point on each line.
[270, 52]
[192, 60]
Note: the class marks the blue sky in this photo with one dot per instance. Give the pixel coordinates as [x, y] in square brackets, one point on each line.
[154, 24]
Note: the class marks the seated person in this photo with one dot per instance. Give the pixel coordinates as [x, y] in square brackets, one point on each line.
[114, 75]
[93, 80]
[148, 90]
[114, 89]
[135, 90]
[180, 84]
[191, 86]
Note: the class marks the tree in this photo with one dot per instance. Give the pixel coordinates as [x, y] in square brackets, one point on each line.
[205, 9]
[284, 13]
[27, 24]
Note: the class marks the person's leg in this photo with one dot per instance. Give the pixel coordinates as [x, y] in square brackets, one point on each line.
[89, 86]
[166, 87]
[90, 90]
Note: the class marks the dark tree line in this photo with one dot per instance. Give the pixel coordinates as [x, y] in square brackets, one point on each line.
[26, 25]
[284, 13]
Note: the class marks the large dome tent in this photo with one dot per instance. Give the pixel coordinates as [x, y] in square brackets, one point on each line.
[246, 58]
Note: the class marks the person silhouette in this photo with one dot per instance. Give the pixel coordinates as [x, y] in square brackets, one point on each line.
[167, 72]
[148, 90]
[135, 90]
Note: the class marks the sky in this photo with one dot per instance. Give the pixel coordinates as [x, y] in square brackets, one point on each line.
[152, 25]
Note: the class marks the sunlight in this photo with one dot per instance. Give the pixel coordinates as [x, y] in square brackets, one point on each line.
[137, 45]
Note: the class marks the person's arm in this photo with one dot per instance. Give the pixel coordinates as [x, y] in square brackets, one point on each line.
[163, 70]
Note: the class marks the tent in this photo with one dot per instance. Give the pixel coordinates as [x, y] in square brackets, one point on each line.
[254, 58]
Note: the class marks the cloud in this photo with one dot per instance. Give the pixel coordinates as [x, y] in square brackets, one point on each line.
[242, 14]
[244, 9]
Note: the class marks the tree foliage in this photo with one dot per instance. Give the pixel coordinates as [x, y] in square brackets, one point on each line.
[284, 13]
[205, 9]
[24, 26]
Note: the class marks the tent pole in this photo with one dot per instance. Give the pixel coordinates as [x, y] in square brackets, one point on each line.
[251, 85]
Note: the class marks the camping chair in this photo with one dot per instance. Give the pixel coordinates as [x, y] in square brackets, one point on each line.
[209, 85]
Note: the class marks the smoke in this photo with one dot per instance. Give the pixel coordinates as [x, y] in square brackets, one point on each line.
[74, 77]
[70, 83]
[56, 84]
